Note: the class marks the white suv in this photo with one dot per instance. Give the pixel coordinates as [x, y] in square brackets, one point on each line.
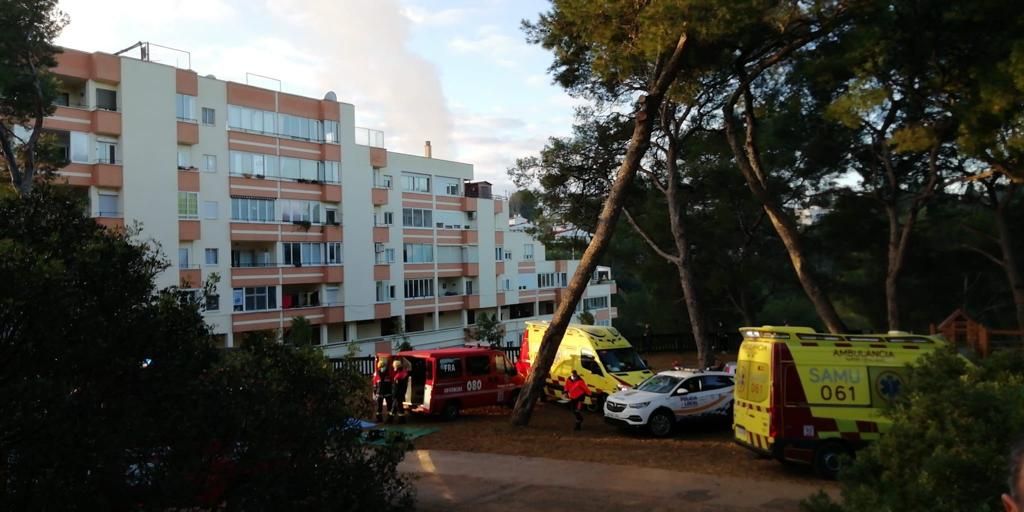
[667, 397]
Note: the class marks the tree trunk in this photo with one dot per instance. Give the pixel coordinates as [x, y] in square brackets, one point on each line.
[1013, 273]
[684, 264]
[748, 160]
[646, 111]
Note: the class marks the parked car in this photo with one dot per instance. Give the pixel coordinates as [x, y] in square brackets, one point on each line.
[445, 381]
[662, 400]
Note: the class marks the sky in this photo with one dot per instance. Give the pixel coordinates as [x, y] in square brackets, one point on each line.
[458, 73]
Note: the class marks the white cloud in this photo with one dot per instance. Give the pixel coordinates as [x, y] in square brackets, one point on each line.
[444, 17]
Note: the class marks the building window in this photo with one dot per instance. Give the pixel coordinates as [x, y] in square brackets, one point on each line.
[448, 186]
[527, 251]
[106, 99]
[385, 291]
[297, 210]
[79, 147]
[257, 298]
[213, 302]
[415, 183]
[184, 255]
[332, 296]
[331, 217]
[106, 152]
[331, 131]
[209, 116]
[108, 205]
[259, 164]
[188, 205]
[547, 280]
[334, 256]
[498, 253]
[253, 120]
[210, 163]
[303, 253]
[184, 157]
[417, 218]
[595, 303]
[300, 168]
[419, 288]
[329, 171]
[252, 210]
[418, 253]
[506, 284]
[212, 255]
[185, 107]
[382, 255]
[210, 210]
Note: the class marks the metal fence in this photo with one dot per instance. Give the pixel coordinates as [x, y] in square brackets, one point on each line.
[363, 365]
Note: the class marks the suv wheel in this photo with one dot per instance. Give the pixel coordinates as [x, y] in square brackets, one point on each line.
[660, 423]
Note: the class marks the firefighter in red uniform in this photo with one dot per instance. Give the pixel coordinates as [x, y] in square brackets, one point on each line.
[382, 378]
[399, 384]
[577, 391]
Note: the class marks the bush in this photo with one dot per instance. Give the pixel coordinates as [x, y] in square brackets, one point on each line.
[113, 397]
[949, 444]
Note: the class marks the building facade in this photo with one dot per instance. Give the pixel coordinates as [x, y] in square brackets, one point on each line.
[297, 211]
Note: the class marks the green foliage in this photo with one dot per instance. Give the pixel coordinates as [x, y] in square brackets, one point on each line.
[523, 203]
[489, 329]
[300, 332]
[585, 317]
[114, 398]
[27, 88]
[948, 447]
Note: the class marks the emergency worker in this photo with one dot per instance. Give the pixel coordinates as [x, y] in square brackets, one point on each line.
[381, 387]
[400, 382]
[576, 389]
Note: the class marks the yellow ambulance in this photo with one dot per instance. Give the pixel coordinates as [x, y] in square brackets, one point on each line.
[812, 397]
[601, 355]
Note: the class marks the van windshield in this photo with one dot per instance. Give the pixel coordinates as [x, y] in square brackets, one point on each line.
[617, 360]
[659, 384]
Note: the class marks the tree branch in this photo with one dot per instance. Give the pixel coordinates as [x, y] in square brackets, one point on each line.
[643, 234]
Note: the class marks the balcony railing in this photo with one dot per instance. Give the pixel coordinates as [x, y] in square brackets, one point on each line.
[255, 265]
[368, 137]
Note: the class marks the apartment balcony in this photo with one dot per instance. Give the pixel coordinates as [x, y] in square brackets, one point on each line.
[312, 274]
[418, 270]
[269, 275]
[449, 269]
[189, 230]
[423, 305]
[88, 66]
[382, 310]
[105, 175]
[255, 320]
[451, 302]
[547, 294]
[190, 276]
[379, 196]
[381, 234]
[80, 119]
[471, 301]
[332, 232]
[250, 185]
[188, 132]
[470, 237]
[499, 206]
[471, 269]
[110, 220]
[188, 179]
[375, 140]
[499, 268]
[382, 272]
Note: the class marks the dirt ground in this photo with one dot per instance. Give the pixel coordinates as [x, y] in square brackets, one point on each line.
[700, 447]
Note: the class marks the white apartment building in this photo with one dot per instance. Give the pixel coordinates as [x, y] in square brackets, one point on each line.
[298, 211]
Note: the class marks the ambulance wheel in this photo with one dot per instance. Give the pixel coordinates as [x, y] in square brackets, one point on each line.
[596, 404]
[660, 423]
[450, 411]
[828, 459]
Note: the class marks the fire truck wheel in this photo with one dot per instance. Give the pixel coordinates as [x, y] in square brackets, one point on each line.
[450, 411]
[828, 459]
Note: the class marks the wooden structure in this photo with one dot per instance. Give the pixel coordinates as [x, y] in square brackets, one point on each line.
[960, 329]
